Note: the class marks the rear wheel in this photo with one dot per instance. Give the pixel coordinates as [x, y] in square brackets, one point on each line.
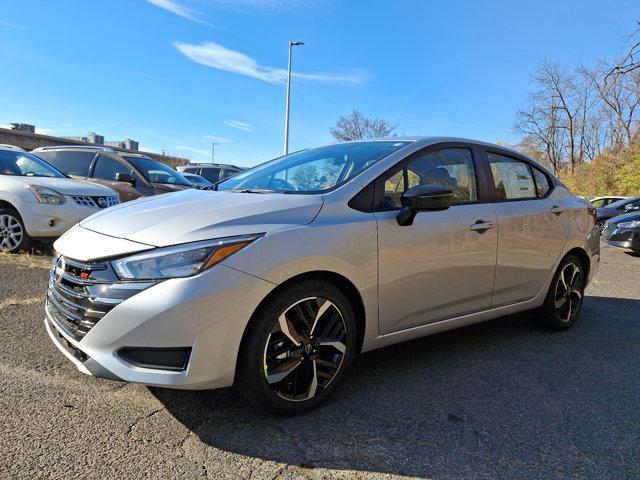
[565, 296]
[13, 236]
[298, 349]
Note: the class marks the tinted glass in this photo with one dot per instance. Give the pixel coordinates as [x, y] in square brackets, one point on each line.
[190, 170]
[313, 171]
[23, 164]
[107, 168]
[198, 180]
[211, 174]
[542, 182]
[450, 168]
[71, 163]
[512, 178]
[157, 172]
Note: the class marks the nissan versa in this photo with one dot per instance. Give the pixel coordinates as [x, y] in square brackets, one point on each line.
[275, 282]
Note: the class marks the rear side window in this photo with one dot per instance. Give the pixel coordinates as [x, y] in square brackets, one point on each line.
[211, 174]
[512, 178]
[226, 173]
[107, 168]
[71, 163]
[542, 182]
[190, 170]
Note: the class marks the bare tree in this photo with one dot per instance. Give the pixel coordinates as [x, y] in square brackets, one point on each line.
[620, 94]
[355, 126]
[631, 61]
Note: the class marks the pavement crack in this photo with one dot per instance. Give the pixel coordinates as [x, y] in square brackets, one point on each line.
[143, 417]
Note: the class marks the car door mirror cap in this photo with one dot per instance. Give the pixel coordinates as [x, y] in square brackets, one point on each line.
[423, 198]
[126, 177]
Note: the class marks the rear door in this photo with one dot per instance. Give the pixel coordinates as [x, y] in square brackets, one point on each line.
[443, 265]
[532, 226]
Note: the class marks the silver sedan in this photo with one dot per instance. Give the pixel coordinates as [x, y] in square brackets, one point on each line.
[277, 280]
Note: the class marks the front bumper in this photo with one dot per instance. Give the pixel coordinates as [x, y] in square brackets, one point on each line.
[207, 313]
[43, 221]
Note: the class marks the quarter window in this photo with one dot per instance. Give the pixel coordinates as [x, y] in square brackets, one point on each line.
[450, 168]
[107, 168]
[211, 174]
[512, 178]
[542, 182]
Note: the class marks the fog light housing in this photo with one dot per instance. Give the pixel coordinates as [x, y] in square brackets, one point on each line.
[175, 359]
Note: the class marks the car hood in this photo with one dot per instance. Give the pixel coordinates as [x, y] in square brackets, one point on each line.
[65, 186]
[169, 187]
[192, 215]
[626, 217]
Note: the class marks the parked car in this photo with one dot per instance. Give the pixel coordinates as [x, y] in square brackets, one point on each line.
[15, 148]
[599, 202]
[623, 231]
[616, 208]
[39, 202]
[199, 182]
[214, 172]
[276, 281]
[131, 175]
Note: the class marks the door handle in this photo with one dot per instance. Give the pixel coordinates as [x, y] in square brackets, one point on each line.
[556, 210]
[481, 226]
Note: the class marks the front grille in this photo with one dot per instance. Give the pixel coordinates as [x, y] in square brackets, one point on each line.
[96, 202]
[81, 293]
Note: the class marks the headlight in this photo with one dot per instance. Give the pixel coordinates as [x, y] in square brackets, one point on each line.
[632, 224]
[46, 195]
[180, 260]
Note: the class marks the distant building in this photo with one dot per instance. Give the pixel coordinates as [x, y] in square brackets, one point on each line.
[114, 144]
[23, 127]
[93, 137]
[130, 144]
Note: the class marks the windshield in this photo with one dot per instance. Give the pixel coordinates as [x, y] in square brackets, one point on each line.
[620, 203]
[312, 171]
[157, 172]
[198, 180]
[22, 164]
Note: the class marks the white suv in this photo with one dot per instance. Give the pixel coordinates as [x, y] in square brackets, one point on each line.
[38, 201]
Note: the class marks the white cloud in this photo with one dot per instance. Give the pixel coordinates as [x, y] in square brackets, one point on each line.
[177, 9]
[239, 125]
[216, 139]
[216, 56]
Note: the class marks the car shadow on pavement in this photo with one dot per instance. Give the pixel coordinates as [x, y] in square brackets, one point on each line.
[504, 398]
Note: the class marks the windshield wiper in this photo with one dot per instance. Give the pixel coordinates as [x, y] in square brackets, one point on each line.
[254, 190]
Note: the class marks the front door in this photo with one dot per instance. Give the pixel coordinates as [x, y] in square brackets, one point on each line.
[443, 265]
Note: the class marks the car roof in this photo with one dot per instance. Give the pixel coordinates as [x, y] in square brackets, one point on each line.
[13, 148]
[74, 147]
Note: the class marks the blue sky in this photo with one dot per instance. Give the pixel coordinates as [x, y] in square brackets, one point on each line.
[173, 74]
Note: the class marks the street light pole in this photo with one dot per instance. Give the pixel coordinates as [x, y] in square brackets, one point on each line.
[286, 115]
[213, 144]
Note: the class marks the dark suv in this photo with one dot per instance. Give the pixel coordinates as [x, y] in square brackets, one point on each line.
[131, 175]
[214, 172]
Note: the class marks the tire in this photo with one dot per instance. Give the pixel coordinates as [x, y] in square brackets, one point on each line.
[601, 223]
[297, 349]
[562, 305]
[13, 235]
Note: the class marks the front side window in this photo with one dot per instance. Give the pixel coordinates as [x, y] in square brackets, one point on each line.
[23, 164]
[512, 178]
[157, 172]
[71, 163]
[451, 168]
[316, 170]
[107, 168]
[600, 203]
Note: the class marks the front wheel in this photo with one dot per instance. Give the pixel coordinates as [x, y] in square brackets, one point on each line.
[565, 296]
[298, 349]
[13, 236]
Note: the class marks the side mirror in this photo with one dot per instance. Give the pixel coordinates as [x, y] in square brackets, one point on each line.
[126, 177]
[423, 198]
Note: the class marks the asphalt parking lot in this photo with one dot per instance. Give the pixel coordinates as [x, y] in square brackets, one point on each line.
[503, 399]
